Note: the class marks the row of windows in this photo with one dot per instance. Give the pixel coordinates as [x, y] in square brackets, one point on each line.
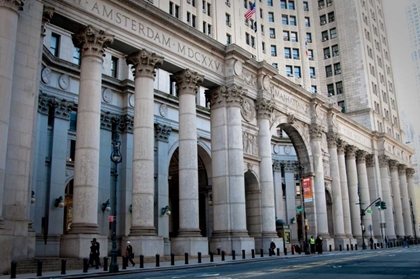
[333, 89]
[329, 69]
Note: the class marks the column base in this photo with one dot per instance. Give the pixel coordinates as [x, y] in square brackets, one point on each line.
[326, 242]
[264, 241]
[166, 246]
[189, 233]
[145, 245]
[189, 244]
[78, 245]
[143, 231]
[84, 228]
[343, 241]
[49, 249]
[229, 243]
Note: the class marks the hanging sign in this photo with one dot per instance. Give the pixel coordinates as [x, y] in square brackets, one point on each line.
[307, 189]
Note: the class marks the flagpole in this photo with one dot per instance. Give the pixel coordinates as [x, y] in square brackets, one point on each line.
[257, 31]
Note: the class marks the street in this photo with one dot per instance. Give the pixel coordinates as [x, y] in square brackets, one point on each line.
[389, 263]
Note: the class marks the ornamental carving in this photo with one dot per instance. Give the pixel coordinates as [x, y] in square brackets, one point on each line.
[47, 14]
[216, 97]
[16, 5]
[276, 165]
[264, 108]
[248, 110]
[126, 123]
[383, 161]
[351, 151]
[370, 161]
[326, 165]
[410, 172]
[62, 108]
[290, 118]
[361, 156]
[92, 41]
[393, 165]
[289, 166]
[43, 103]
[187, 82]
[332, 139]
[341, 146]
[234, 96]
[250, 144]
[109, 120]
[162, 132]
[402, 169]
[144, 63]
[315, 132]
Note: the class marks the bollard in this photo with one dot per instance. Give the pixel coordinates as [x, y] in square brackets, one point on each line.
[351, 247]
[223, 256]
[371, 246]
[172, 259]
[261, 253]
[124, 262]
[330, 248]
[253, 253]
[300, 249]
[105, 263]
[63, 266]
[278, 251]
[233, 255]
[39, 268]
[199, 257]
[355, 246]
[141, 261]
[347, 247]
[243, 254]
[285, 251]
[218, 251]
[186, 258]
[293, 250]
[211, 257]
[85, 265]
[13, 269]
[382, 245]
[341, 248]
[157, 260]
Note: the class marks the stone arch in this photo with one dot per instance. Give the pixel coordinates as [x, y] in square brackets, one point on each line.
[253, 204]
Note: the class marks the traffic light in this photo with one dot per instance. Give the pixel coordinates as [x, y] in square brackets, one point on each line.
[378, 204]
[383, 205]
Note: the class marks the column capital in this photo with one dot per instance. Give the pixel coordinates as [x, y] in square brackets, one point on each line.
[47, 14]
[277, 165]
[16, 5]
[383, 161]
[341, 146]
[43, 103]
[289, 166]
[62, 108]
[351, 151]
[332, 138]
[361, 156]
[410, 172]
[216, 97]
[315, 131]
[126, 123]
[393, 165]
[162, 132]
[370, 160]
[187, 81]
[402, 169]
[234, 96]
[144, 63]
[264, 108]
[108, 119]
[92, 41]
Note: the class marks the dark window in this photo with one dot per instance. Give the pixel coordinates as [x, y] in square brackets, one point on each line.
[73, 121]
[76, 56]
[55, 44]
[114, 66]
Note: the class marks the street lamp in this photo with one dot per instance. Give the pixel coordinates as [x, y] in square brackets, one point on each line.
[302, 199]
[116, 158]
[362, 213]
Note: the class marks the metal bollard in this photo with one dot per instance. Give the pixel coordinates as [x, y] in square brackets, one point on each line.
[105, 263]
[218, 251]
[355, 247]
[63, 266]
[278, 251]
[39, 268]
[141, 261]
[330, 248]
[13, 269]
[253, 253]
[157, 260]
[347, 247]
[199, 257]
[285, 251]
[223, 256]
[172, 259]
[341, 248]
[261, 253]
[186, 258]
[243, 254]
[233, 255]
[382, 245]
[351, 247]
[85, 265]
[371, 246]
[211, 257]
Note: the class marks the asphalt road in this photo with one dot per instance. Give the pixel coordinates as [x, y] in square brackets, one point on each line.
[372, 264]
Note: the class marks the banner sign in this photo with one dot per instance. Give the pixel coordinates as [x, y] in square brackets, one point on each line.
[307, 189]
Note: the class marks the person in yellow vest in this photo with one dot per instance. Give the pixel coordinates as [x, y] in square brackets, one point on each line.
[312, 244]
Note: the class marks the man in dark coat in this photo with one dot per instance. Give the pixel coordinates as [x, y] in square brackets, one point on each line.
[318, 243]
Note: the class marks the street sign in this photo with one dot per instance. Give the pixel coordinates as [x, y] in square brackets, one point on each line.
[299, 209]
[369, 211]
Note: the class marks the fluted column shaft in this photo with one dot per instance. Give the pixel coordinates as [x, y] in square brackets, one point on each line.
[353, 191]
[265, 109]
[408, 226]
[335, 186]
[386, 197]
[86, 167]
[9, 16]
[143, 186]
[187, 84]
[413, 200]
[320, 200]
[344, 189]
[398, 214]
[363, 187]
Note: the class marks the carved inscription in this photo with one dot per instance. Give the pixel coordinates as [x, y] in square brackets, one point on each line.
[289, 100]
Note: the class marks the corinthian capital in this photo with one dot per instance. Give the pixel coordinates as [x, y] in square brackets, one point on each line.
[410, 172]
[383, 161]
[332, 139]
[264, 108]
[217, 96]
[315, 131]
[235, 95]
[351, 151]
[393, 165]
[402, 169]
[341, 146]
[370, 161]
[92, 41]
[162, 132]
[361, 156]
[187, 82]
[16, 5]
[144, 63]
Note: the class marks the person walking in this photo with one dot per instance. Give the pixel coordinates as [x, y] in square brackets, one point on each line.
[94, 253]
[312, 244]
[129, 253]
[272, 247]
[318, 243]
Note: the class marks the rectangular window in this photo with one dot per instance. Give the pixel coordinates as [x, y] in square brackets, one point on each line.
[227, 16]
[204, 27]
[323, 19]
[293, 20]
[307, 22]
[76, 56]
[209, 29]
[327, 53]
[270, 17]
[337, 68]
[289, 71]
[330, 90]
[283, 4]
[297, 72]
[325, 36]
[247, 38]
[73, 121]
[294, 36]
[328, 70]
[333, 33]
[114, 66]
[339, 87]
[275, 65]
[312, 72]
[171, 8]
[286, 36]
[287, 52]
[331, 17]
[272, 33]
[176, 11]
[273, 50]
[208, 9]
[305, 6]
[270, 3]
[228, 39]
[72, 150]
[193, 21]
[310, 54]
[296, 53]
[291, 5]
[188, 17]
[309, 37]
[335, 50]
[313, 89]
[285, 19]
[343, 108]
[55, 44]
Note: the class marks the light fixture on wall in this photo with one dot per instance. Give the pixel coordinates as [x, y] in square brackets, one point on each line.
[293, 220]
[32, 197]
[165, 210]
[59, 202]
[210, 201]
[106, 207]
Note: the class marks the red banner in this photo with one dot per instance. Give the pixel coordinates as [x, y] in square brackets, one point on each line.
[307, 189]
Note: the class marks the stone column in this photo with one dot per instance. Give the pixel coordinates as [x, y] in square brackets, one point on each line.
[142, 230]
[278, 191]
[319, 187]
[289, 180]
[189, 237]
[364, 189]
[396, 193]
[162, 134]
[336, 189]
[353, 191]
[86, 167]
[386, 197]
[412, 194]
[408, 226]
[344, 189]
[264, 110]
[9, 16]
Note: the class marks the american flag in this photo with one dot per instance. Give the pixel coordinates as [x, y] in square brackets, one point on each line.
[306, 48]
[251, 11]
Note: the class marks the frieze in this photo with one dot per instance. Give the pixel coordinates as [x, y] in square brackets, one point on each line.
[351, 134]
[287, 99]
[250, 144]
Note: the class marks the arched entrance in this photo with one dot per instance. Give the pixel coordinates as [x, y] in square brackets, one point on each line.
[253, 204]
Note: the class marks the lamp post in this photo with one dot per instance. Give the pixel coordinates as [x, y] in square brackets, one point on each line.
[362, 213]
[302, 199]
[116, 158]
[413, 219]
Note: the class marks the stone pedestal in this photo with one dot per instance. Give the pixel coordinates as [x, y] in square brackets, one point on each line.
[78, 245]
[143, 245]
[238, 244]
[191, 245]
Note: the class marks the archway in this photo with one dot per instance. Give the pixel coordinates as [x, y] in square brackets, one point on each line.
[253, 204]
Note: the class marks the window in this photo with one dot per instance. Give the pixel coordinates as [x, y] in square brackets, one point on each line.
[328, 70]
[312, 72]
[297, 72]
[261, 13]
[305, 6]
[263, 47]
[247, 38]
[333, 33]
[245, 4]
[337, 68]
[72, 150]
[76, 56]
[283, 4]
[193, 3]
[270, 17]
[307, 22]
[294, 36]
[330, 90]
[171, 8]
[313, 89]
[287, 52]
[309, 37]
[270, 3]
[284, 19]
[286, 36]
[343, 108]
[335, 50]
[176, 11]
[327, 53]
[273, 50]
[275, 65]
[228, 39]
[204, 27]
[296, 53]
[291, 5]
[289, 71]
[73, 121]
[188, 17]
[209, 29]
[54, 44]
[272, 33]
[310, 54]
[227, 16]
[253, 41]
[321, 4]
[339, 87]
[325, 36]
[293, 20]
[323, 19]
[331, 17]
[114, 66]
[193, 21]
[208, 9]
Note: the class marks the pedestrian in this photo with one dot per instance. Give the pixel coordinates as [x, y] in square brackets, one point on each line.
[312, 244]
[129, 253]
[318, 243]
[405, 242]
[386, 242]
[272, 247]
[94, 253]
